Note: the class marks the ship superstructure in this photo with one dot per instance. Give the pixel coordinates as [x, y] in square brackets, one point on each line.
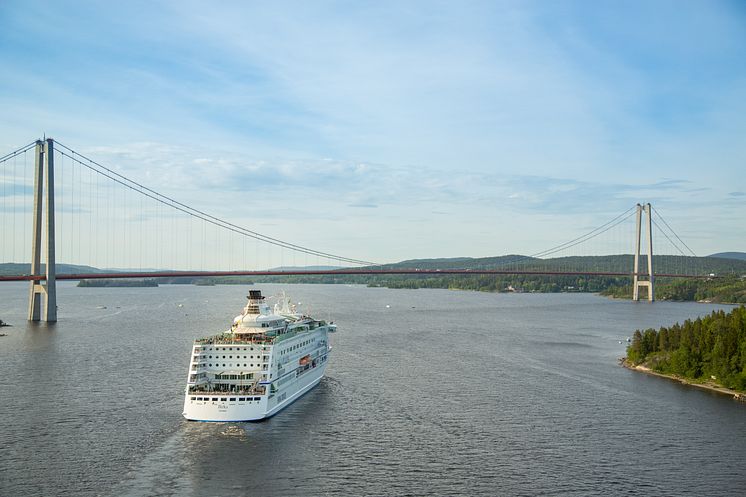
[267, 359]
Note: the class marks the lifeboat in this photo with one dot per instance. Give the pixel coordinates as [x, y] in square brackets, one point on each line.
[304, 360]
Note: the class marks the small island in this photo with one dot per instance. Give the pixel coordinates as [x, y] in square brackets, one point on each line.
[708, 352]
[118, 283]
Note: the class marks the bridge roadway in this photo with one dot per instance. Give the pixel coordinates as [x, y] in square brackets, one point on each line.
[337, 272]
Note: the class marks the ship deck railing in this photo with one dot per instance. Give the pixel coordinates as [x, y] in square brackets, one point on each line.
[260, 391]
[231, 340]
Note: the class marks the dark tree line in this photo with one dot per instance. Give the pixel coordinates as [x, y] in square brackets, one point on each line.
[713, 346]
[728, 289]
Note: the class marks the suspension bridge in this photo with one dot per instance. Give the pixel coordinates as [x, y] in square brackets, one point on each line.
[61, 205]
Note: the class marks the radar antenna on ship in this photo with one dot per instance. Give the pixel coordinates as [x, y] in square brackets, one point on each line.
[283, 305]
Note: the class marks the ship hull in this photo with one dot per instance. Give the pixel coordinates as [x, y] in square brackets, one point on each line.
[236, 408]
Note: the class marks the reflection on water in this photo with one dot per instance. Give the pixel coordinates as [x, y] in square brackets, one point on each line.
[427, 392]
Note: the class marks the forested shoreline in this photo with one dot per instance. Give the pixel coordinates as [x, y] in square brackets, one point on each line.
[723, 290]
[111, 283]
[708, 349]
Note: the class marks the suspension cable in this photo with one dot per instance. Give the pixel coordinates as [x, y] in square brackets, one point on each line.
[662, 232]
[674, 233]
[591, 234]
[200, 214]
[576, 241]
[21, 150]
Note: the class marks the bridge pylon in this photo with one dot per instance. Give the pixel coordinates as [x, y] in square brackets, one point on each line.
[637, 283]
[43, 213]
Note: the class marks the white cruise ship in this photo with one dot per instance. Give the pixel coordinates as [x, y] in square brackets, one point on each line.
[262, 364]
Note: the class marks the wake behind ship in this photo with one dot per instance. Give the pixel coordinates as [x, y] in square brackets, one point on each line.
[262, 364]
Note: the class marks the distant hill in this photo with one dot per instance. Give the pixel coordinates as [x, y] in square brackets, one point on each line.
[25, 268]
[741, 256]
[461, 262]
[672, 264]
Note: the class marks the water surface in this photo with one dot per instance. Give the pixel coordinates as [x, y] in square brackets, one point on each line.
[428, 392]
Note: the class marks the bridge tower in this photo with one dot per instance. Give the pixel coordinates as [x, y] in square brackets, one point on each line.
[43, 213]
[637, 283]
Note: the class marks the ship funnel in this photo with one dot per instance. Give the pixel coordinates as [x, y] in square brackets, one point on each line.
[255, 295]
[255, 298]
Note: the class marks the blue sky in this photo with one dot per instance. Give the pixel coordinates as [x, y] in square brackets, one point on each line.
[419, 129]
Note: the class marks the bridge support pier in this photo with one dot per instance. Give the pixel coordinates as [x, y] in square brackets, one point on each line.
[46, 293]
[638, 283]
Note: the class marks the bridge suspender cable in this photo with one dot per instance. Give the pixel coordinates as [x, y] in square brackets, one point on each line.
[21, 150]
[175, 204]
[143, 191]
[591, 234]
[674, 234]
[577, 241]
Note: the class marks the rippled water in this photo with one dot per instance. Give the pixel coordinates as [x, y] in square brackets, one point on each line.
[428, 392]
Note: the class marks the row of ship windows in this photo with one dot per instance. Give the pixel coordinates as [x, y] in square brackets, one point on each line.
[223, 349]
[237, 357]
[229, 365]
[232, 399]
[243, 376]
[273, 324]
[296, 346]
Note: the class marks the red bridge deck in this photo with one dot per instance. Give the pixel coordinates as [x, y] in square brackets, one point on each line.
[337, 272]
